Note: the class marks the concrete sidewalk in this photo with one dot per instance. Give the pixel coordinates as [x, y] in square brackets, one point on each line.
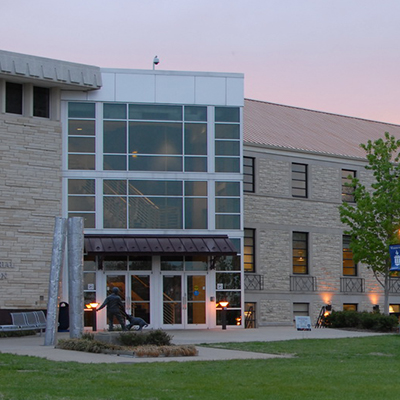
[34, 345]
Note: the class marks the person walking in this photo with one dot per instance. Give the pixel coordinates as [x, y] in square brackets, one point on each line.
[114, 307]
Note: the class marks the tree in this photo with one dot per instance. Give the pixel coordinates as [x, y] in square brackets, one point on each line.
[374, 220]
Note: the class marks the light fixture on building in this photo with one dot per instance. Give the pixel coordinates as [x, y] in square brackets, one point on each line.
[156, 61]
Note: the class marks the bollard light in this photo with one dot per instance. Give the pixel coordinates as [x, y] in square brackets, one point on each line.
[223, 304]
[92, 307]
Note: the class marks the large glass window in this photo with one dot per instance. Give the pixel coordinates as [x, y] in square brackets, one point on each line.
[249, 250]
[227, 139]
[299, 180]
[227, 205]
[300, 253]
[81, 136]
[154, 137]
[81, 200]
[248, 174]
[349, 266]
[156, 204]
[41, 102]
[347, 191]
[14, 93]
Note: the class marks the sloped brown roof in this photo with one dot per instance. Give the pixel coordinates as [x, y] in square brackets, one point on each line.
[286, 127]
[212, 245]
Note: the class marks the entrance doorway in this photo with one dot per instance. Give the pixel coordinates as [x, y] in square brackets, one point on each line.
[184, 300]
[134, 291]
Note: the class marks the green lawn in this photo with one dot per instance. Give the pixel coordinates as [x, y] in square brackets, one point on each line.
[357, 368]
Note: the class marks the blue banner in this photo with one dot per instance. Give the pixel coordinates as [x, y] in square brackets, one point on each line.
[394, 250]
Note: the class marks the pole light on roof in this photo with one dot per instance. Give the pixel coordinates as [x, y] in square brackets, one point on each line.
[156, 61]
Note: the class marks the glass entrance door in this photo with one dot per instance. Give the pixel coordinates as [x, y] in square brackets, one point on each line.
[184, 300]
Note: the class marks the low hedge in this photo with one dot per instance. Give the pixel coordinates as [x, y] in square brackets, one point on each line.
[362, 320]
[156, 337]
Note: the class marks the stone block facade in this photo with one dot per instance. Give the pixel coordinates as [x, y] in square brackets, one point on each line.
[31, 193]
[275, 214]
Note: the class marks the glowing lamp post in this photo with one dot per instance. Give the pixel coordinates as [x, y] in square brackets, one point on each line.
[92, 307]
[223, 304]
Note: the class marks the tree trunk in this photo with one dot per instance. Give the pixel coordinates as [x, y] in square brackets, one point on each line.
[386, 297]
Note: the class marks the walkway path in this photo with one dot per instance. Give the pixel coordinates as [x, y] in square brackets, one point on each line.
[33, 345]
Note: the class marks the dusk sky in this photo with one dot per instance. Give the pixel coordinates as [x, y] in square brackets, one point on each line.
[338, 56]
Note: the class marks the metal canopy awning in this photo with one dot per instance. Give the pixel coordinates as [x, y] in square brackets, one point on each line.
[213, 245]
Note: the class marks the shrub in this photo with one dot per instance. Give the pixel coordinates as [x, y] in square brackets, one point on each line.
[156, 337]
[85, 344]
[17, 333]
[361, 320]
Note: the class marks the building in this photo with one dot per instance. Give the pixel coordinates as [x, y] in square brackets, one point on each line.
[152, 160]
[296, 258]
[190, 195]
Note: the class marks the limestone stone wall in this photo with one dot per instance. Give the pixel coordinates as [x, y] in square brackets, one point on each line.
[30, 199]
[275, 215]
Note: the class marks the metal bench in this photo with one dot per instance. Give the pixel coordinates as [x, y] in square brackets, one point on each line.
[26, 321]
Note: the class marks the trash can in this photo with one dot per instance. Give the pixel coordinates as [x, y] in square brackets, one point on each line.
[63, 317]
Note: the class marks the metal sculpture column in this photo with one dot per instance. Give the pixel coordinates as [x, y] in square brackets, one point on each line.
[60, 232]
[75, 276]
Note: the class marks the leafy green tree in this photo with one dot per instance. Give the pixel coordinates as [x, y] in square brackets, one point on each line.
[374, 220]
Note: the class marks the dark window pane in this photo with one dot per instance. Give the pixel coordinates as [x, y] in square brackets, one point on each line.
[88, 219]
[196, 139]
[162, 188]
[41, 102]
[248, 174]
[81, 161]
[82, 127]
[227, 148]
[195, 164]
[153, 163]
[114, 111]
[228, 263]
[227, 114]
[114, 137]
[114, 163]
[81, 186]
[196, 213]
[227, 188]
[231, 205]
[114, 186]
[81, 110]
[13, 98]
[81, 203]
[195, 113]
[225, 131]
[195, 188]
[228, 280]
[155, 112]
[227, 221]
[114, 212]
[81, 145]
[155, 138]
[227, 164]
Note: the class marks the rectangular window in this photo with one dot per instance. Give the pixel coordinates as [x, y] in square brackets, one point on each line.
[347, 191]
[81, 200]
[14, 98]
[350, 307]
[248, 174]
[299, 180]
[227, 139]
[227, 205]
[301, 310]
[349, 266]
[300, 253]
[41, 102]
[249, 250]
[81, 136]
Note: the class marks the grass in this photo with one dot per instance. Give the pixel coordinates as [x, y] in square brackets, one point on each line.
[357, 368]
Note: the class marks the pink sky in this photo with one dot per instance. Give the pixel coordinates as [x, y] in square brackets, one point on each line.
[338, 56]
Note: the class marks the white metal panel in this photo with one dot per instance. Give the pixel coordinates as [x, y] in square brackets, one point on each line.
[136, 88]
[175, 89]
[107, 92]
[235, 92]
[210, 90]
